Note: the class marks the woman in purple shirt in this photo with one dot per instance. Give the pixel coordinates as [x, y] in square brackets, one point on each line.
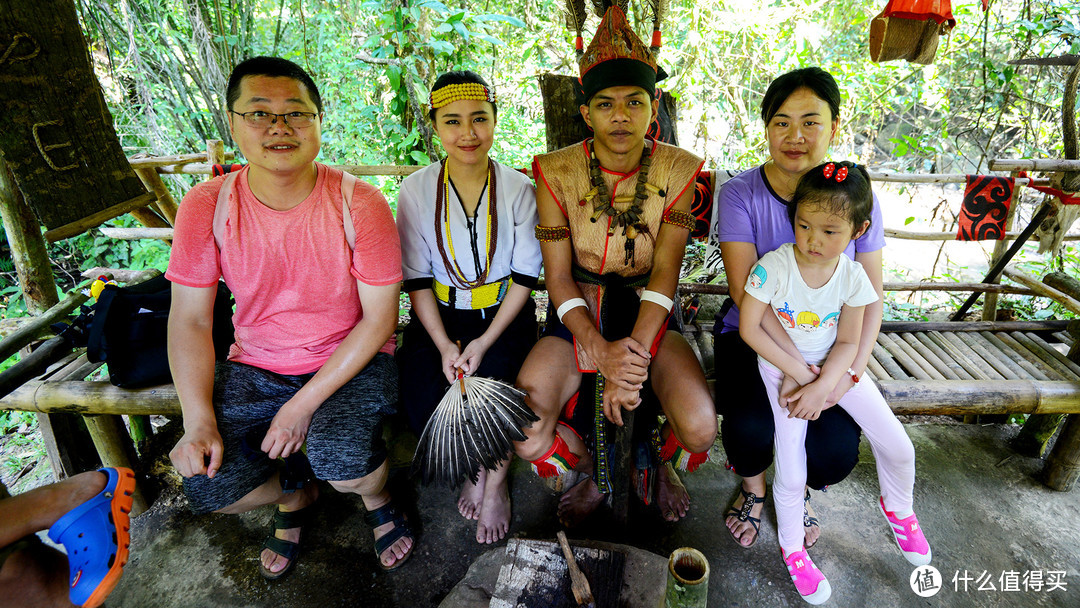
[801, 111]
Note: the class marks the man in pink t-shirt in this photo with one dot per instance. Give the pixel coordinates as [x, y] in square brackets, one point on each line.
[316, 310]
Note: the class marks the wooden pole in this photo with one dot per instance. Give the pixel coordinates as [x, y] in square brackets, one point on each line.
[1034, 164]
[166, 204]
[28, 332]
[990, 300]
[908, 235]
[1063, 466]
[215, 153]
[1042, 289]
[115, 449]
[92, 221]
[92, 398]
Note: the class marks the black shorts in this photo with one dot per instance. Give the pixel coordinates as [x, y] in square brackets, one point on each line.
[344, 439]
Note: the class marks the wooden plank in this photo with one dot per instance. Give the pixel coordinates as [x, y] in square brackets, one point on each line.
[954, 367]
[1055, 353]
[957, 355]
[886, 360]
[1029, 369]
[1051, 374]
[994, 357]
[1046, 353]
[939, 366]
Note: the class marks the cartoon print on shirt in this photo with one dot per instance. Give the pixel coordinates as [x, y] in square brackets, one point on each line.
[758, 276]
[786, 315]
[807, 320]
[830, 320]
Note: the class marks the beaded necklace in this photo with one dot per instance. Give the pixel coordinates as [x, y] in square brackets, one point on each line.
[443, 209]
[603, 203]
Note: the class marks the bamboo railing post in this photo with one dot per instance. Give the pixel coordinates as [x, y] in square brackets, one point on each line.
[166, 204]
[990, 300]
[115, 449]
[215, 154]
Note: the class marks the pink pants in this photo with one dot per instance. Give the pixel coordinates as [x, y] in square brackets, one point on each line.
[893, 452]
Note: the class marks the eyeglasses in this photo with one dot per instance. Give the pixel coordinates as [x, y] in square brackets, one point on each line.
[262, 119]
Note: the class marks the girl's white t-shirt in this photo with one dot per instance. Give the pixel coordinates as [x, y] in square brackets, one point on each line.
[809, 315]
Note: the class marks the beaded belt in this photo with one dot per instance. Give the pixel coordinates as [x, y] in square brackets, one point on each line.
[483, 296]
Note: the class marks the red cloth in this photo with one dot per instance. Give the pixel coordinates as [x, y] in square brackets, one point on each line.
[985, 208]
[921, 10]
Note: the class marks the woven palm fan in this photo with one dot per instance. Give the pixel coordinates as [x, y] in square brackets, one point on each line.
[473, 426]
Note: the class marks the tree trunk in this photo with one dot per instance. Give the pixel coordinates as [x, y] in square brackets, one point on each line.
[58, 135]
[27, 246]
[562, 120]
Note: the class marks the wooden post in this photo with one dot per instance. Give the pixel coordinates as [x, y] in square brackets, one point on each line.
[1063, 467]
[215, 154]
[115, 449]
[990, 300]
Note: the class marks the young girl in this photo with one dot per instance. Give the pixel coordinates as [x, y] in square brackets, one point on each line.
[470, 262]
[818, 294]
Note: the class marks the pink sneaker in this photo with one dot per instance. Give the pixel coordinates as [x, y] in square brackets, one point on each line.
[809, 581]
[908, 536]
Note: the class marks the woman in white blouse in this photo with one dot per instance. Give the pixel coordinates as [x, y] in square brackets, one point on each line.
[470, 263]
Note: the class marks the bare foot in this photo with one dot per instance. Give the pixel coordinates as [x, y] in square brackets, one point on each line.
[272, 561]
[672, 497]
[578, 502]
[494, 516]
[472, 494]
[744, 531]
[813, 531]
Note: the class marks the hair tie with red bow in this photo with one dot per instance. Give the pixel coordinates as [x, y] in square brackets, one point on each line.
[841, 173]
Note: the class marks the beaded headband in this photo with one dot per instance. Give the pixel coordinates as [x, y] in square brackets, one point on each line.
[450, 93]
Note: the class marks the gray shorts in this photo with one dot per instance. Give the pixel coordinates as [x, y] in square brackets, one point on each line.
[344, 440]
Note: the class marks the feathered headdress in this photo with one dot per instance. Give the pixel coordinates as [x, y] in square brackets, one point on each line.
[616, 56]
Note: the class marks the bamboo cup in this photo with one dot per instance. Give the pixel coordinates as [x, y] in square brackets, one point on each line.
[687, 580]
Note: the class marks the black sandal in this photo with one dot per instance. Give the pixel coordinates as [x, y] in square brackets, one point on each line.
[807, 520]
[743, 514]
[386, 514]
[284, 520]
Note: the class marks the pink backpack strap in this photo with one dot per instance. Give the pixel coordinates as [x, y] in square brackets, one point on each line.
[348, 184]
[221, 208]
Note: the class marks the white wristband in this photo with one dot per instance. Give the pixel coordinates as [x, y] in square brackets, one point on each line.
[569, 305]
[657, 298]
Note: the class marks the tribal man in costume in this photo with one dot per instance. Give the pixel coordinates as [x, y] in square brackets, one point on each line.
[613, 226]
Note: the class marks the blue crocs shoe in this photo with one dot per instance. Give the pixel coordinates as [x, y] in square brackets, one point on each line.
[96, 537]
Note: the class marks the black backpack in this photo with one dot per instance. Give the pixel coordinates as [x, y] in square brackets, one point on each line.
[129, 331]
